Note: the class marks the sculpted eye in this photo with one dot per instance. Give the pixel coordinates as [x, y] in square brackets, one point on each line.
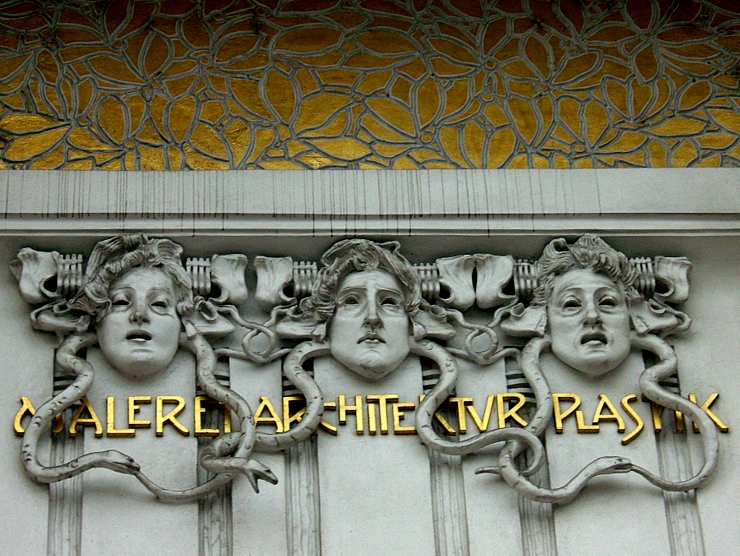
[350, 300]
[120, 302]
[608, 302]
[160, 304]
[390, 302]
[571, 304]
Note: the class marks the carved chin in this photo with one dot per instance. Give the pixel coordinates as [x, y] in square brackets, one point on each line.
[593, 362]
[372, 365]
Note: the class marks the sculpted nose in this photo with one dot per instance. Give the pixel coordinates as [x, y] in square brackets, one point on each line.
[139, 315]
[592, 314]
[372, 319]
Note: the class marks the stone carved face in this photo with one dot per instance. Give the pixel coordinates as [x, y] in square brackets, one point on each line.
[369, 332]
[140, 334]
[589, 321]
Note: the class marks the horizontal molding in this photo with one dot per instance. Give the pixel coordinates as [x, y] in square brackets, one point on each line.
[343, 202]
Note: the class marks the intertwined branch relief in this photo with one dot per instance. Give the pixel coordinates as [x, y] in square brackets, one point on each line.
[373, 84]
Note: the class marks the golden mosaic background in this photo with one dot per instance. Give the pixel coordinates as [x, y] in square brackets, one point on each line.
[218, 84]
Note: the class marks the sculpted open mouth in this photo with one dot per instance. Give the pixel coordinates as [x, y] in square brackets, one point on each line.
[371, 338]
[595, 337]
[139, 336]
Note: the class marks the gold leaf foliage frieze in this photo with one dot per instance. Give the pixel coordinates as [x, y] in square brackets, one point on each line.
[401, 84]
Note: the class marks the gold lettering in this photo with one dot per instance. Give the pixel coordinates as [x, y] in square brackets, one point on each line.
[612, 415]
[461, 419]
[227, 419]
[273, 417]
[382, 400]
[133, 409]
[372, 427]
[110, 421]
[398, 416]
[356, 409]
[27, 407]
[482, 424]
[512, 413]
[560, 415]
[710, 400]
[328, 427]
[198, 412]
[288, 419]
[639, 425]
[170, 417]
[581, 425]
[78, 419]
[442, 421]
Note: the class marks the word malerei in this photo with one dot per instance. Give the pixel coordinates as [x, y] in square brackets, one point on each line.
[371, 415]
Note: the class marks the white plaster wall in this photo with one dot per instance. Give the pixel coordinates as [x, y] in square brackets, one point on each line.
[646, 212]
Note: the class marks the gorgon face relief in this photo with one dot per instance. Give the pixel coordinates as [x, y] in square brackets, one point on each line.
[369, 331]
[589, 321]
[139, 335]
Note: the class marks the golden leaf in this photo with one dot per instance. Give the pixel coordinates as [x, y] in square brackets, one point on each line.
[151, 159]
[84, 164]
[280, 94]
[495, 115]
[9, 65]
[344, 149]
[444, 68]
[716, 140]
[646, 64]
[394, 115]
[524, 118]
[678, 126]
[82, 139]
[27, 147]
[206, 140]
[405, 163]
[373, 81]
[473, 140]
[627, 141]
[455, 50]
[175, 158]
[427, 101]
[113, 69]
[237, 133]
[577, 67]
[657, 155]
[335, 127]
[157, 54]
[710, 162]
[236, 47]
[456, 97]
[728, 119]
[51, 160]
[385, 41]
[316, 110]
[26, 123]
[537, 54]
[449, 139]
[596, 121]
[262, 138]
[112, 119]
[199, 162]
[248, 94]
[306, 40]
[684, 155]
[181, 115]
